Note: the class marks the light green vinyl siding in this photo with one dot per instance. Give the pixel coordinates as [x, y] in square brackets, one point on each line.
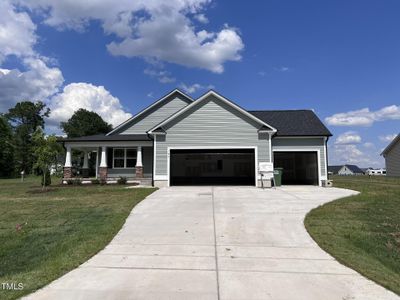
[392, 159]
[157, 114]
[211, 124]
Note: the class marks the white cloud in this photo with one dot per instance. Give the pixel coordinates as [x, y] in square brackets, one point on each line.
[201, 18]
[351, 154]
[38, 82]
[349, 137]
[161, 75]
[156, 29]
[174, 40]
[387, 138]
[262, 73]
[90, 97]
[282, 69]
[190, 89]
[368, 145]
[17, 32]
[364, 117]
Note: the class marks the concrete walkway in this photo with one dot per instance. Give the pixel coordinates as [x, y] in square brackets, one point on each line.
[217, 243]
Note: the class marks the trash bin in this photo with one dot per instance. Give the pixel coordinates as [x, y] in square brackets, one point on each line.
[278, 176]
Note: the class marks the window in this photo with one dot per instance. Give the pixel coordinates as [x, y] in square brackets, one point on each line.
[130, 158]
[119, 158]
[124, 158]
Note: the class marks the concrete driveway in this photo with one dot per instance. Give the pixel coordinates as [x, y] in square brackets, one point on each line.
[217, 243]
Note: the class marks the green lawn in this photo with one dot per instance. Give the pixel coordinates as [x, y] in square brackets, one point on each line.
[363, 231]
[61, 228]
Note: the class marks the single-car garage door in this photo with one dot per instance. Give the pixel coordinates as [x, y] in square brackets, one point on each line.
[298, 167]
[212, 167]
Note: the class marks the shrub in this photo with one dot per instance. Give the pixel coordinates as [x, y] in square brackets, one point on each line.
[70, 182]
[77, 181]
[95, 181]
[122, 180]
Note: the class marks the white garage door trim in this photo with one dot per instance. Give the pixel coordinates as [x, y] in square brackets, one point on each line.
[255, 148]
[308, 149]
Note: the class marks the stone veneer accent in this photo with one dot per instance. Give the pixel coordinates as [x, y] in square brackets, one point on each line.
[67, 172]
[139, 172]
[103, 172]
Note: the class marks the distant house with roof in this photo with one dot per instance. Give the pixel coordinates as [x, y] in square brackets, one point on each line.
[345, 170]
[392, 157]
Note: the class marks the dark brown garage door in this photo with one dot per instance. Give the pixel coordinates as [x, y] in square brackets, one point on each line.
[212, 167]
[298, 167]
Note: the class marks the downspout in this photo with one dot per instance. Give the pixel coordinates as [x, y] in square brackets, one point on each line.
[326, 156]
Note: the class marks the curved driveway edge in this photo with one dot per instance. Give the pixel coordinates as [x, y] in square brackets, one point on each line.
[218, 243]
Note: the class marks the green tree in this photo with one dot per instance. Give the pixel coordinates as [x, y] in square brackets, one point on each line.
[6, 148]
[84, 122]
[25, 118]
[45, 153]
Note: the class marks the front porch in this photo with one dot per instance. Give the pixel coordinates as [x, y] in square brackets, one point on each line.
[108, 161]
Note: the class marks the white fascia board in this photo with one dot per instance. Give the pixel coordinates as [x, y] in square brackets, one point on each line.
[149, 108]
[391, 144]
[205, 96]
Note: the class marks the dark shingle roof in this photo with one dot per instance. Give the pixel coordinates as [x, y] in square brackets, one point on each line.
[293, 122]
[354, 169]
[102, 137]
[335, 169]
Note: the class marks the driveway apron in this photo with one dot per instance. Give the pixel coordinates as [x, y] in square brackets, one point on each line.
[217, 243]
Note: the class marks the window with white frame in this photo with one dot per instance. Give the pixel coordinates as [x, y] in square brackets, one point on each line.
[124, 158]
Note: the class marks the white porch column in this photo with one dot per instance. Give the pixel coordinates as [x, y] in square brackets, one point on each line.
[68, 163]
[67, 170]
[103, 161]
[139, 162]
[103, 171]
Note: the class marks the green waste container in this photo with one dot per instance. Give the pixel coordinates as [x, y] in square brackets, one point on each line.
[278, 176]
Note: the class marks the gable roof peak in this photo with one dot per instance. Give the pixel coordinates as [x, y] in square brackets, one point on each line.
[223, 99]
[160, 100]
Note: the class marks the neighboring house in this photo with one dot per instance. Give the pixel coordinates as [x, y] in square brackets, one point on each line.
[376, 172]
[392, 157]
[345, 170]
[333, 170]
[365, 170]
[211, 140]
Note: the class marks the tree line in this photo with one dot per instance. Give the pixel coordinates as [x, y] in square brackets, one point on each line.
[24, 146]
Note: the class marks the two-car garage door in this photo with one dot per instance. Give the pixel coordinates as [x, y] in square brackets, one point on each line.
[212, 167]
[237, 167]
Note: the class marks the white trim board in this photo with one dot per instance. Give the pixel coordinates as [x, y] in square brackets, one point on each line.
[110, 144]
[220, 97]
[304, 149]
[255, 148]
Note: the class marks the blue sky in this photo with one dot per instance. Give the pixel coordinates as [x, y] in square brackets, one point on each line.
[339, 58]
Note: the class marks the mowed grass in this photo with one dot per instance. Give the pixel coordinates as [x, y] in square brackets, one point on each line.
[60, 229]
[363, 231]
